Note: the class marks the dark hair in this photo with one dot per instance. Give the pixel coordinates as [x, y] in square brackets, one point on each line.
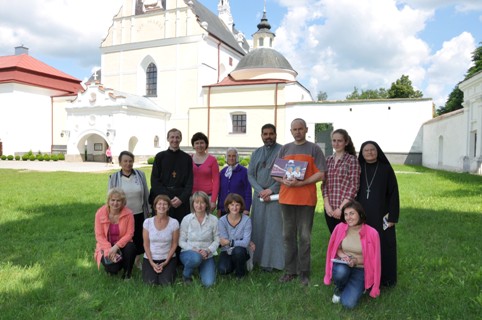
[268, 126]
[350, 148]
[160, 197]
[234, 197]
[199, 136]
[174, 130]
[126, 153]
[355, 205]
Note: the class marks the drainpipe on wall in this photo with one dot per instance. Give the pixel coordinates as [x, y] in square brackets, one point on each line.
[219, 60]
[51, 125]
[209, 110]
[276, 106]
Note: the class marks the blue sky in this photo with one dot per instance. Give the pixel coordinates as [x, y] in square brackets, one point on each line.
[334, 45]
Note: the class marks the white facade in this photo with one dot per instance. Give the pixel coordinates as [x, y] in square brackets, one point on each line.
[453, 141]
[27, 118]
[101, 117]
[185, 51]
[395, 124]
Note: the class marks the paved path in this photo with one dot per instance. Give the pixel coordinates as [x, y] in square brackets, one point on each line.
[60, 166]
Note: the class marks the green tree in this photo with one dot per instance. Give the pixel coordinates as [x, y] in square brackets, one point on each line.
[456, 97]
[368, 94]
[402, 88]
[322, 95]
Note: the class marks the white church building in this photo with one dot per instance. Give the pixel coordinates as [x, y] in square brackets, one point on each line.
[174, 63]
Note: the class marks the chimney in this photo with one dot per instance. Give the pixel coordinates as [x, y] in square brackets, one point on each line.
[21, 50]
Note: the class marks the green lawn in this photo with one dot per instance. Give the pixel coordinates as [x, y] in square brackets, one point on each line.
[47, 269]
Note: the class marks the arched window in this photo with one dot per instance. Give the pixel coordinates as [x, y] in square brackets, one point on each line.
[151, 80]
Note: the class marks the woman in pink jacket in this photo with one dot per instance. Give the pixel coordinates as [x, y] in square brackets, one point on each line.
[114, 229]
[353, 257]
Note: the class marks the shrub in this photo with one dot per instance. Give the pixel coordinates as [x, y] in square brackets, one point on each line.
[4, 157]
[32, 158]
[55, 157]
[25, 157]
[61, 156]
[46, 157]
[40, 157]
[10, 157]
[150, 160]
[17, 157]
[221, 162]
[244, 162]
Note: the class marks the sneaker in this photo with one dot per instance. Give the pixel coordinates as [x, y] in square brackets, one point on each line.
[305, 279]
[335, 299]
[287, 278]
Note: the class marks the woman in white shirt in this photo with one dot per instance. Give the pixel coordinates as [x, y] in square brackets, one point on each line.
[161, 237]
[199, 241]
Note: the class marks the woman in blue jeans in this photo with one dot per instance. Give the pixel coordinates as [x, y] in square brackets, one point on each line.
[199, 241]
[234, 237]
[353, 257]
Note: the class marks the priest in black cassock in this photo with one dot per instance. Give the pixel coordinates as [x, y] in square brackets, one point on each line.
[172, 175]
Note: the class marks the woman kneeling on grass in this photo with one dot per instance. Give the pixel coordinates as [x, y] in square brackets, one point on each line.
[353, 257]
[161, 237]
[114, 229]
[199, 241]
[234, 237]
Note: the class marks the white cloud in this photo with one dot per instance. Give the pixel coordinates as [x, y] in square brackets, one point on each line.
[448, 66]
[57, 28]
[336, 45]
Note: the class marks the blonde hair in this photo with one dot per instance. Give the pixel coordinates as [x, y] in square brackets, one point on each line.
[116, 191]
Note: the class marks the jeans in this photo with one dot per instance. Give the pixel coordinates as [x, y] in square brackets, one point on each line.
[207, 268]
[235, 262]
[350, 283]
[297, 225]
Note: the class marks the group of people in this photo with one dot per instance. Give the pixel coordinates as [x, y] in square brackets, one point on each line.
[248, 213]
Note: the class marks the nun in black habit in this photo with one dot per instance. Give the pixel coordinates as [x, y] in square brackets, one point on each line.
[379, 196]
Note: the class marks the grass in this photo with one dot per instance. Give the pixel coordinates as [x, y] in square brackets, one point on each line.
[47, 269]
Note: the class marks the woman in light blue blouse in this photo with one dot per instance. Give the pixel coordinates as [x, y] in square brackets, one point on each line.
[234, 237]
[199, 241]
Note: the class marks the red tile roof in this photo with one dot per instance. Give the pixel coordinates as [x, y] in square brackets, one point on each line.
[30, 71]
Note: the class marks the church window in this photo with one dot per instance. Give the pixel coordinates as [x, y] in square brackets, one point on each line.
[151, 80]
[261, 42]
[239, 122]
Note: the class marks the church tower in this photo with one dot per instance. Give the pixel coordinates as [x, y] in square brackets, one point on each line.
[263, 38]
[224, 13]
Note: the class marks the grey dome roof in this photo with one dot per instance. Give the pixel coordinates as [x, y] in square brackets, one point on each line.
[263, 58]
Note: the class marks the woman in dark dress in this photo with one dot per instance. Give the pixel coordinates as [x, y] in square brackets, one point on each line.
[379, 196]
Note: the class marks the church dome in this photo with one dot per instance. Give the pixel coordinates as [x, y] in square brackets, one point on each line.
[264, 63]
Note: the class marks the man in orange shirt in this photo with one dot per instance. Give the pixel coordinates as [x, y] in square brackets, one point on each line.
[298, 201]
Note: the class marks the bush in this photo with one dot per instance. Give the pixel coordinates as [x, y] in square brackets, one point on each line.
[244, 162]
[32, 158]
[10, 157]
[150, 160]
[17, 157]
[4, 157]
[221, 162]
[25, 157]
[55, 157]
[40, 157]
[46, 157]
[61, 156]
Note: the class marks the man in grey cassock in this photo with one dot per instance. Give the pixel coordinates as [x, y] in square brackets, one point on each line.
[267, 233]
